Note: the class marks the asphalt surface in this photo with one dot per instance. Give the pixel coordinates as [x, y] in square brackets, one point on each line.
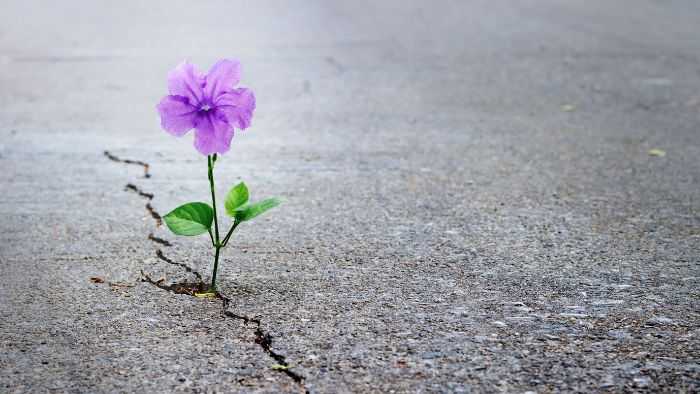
[480, 196]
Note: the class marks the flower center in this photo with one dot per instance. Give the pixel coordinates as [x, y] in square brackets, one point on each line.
[205, 108]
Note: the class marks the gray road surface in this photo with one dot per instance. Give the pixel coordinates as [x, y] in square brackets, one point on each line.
[471, 204]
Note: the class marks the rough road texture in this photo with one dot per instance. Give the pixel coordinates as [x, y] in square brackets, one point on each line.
[470, 200]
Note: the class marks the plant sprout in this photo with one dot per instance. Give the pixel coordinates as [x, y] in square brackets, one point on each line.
[211, 105]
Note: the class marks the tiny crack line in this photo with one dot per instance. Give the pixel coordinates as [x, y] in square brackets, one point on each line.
[176, 288]
[262, 338]
[225, 301]
[143, 164]
[119, 284]
[154, 214]
[149, 196]
[159, 240]
[137, 190]
[160, 255]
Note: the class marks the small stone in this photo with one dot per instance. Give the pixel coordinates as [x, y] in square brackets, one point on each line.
[607, 302]
[619, 334]
[519, 318]
[659, 321]
[576, 315]
[607, 381]
[657, 152]
[430, 355]
[622, 287]
[642, 381]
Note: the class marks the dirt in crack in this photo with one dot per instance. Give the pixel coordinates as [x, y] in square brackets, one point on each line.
[137, 190]
[154, 214]
[149, 196]
[262, 339]
[160, 255]
[159, 240]
[117, 159]
[265, 341]
[189, 288]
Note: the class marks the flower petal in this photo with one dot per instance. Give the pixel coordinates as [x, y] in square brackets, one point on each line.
[177, 116]
[186, 81]
[222, 77]
[238, 106]
[213, 134]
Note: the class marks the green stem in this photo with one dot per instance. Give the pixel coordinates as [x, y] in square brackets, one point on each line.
[217, 245]
[211, 236]
[212, 288]
[230, 231]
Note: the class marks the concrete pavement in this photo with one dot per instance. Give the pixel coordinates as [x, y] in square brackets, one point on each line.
[471, 202]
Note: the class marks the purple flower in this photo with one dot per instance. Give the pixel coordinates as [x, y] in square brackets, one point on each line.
[207, 103]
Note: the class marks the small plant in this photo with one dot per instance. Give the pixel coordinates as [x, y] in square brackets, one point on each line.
[210, 104]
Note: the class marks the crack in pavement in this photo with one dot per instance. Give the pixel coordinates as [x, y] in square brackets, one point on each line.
[137, 190]
[160, 255]
[188, 288]
[159, 240]
[145, 165]
[262, 338]
[154, 214]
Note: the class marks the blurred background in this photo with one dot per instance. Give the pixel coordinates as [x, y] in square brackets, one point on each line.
[485, 195]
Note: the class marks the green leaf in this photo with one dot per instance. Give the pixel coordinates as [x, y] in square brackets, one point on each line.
[190, 219]
[249, 211]
[237, 196]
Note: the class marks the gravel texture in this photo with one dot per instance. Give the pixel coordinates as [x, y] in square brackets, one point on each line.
[479, 196]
